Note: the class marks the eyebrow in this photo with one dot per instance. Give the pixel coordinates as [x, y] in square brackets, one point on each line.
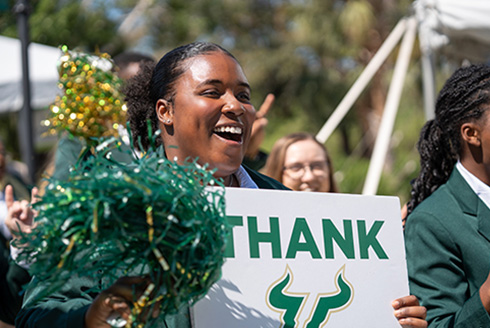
[216, 81]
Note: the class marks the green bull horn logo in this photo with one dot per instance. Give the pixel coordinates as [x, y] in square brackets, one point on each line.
[290, 304]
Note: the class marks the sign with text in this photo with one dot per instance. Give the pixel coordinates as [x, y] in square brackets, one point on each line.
[301, 259]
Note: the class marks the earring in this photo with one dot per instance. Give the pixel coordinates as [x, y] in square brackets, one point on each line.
[167, 121]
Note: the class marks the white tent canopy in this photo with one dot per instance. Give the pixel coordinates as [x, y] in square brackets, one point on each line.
[42, 70]
[459, 29]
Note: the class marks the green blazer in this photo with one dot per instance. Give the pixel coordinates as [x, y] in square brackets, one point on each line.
[66, 308]
[447, 240]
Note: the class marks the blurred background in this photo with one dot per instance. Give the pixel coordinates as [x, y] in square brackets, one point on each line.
[308, 53]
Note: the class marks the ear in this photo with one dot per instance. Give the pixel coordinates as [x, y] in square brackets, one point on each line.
[165, 112]
[471, 133]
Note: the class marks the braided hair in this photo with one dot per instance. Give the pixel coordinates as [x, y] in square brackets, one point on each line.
[154, 82]
[462, 99]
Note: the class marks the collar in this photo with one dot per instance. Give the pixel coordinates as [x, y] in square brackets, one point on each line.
[481, 189]
[244, 179]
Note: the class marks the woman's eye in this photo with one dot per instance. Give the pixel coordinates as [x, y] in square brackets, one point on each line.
[244, 97]
[211, 93]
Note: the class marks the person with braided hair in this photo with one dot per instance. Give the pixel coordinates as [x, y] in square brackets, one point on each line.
[447, 233]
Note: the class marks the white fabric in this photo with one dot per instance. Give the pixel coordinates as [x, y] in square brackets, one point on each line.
[478, 186]
[460, 28]
[42, 71]
[244, 179]
[3, 214]
[14, 254]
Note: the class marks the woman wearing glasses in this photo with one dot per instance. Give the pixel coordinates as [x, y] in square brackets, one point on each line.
[301, 163]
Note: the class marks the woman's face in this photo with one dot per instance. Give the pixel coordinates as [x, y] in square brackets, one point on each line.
[305, 167]
[211, 116]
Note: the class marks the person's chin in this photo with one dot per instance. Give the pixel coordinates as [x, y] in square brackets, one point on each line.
[225, 169]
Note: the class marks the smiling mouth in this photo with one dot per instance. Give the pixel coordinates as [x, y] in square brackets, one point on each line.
[233, 133]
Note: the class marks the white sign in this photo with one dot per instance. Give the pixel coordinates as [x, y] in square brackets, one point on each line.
[300, 259]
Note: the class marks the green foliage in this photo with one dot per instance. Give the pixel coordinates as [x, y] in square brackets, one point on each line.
[57, 22]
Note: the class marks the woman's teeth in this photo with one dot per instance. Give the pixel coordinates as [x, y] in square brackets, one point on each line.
[229, 129]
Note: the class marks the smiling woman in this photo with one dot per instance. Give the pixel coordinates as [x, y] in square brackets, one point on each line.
[199, 97]
[301, 163]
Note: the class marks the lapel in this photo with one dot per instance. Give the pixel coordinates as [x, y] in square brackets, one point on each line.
[470, 203]
[483, 213]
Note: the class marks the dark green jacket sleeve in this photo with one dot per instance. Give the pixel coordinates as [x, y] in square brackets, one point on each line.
[67, 155]
[63, 309]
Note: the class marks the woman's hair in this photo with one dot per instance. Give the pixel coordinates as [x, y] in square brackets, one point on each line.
[463, 98]
[155, 82]
[274, 166]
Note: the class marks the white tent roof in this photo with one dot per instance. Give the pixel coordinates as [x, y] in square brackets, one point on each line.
[459, 29]
[42, 70]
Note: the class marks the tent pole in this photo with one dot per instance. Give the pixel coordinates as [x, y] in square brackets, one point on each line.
[428, 83]
[21, 9]
[391, 107]
[361, 82]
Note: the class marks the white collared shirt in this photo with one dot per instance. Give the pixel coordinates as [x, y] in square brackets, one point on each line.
[244, 179]
[479, 187]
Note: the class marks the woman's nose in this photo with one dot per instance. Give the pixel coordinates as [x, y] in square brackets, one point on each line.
[308, 175]
[233, 105]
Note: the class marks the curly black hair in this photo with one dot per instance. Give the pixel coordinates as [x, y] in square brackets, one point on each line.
[155, 82]
[463, 98]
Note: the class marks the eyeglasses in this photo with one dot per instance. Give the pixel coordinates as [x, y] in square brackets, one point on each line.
[297, 170]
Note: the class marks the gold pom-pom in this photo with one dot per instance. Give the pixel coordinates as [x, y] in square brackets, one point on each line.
[91, 105]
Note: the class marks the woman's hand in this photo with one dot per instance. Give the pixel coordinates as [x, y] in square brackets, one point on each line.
[409, 312]
[116, 302]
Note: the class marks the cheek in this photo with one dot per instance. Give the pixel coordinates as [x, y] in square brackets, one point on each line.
[290, 183]
[325, 184]
[250, 114]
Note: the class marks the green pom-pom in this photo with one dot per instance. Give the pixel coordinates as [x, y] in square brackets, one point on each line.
[151, 218]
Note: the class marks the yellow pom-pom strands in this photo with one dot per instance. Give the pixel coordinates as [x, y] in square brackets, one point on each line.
[146, 296]
[161, 259]
[67, 251]
[95, 222]
[149, 220]
[91, 105]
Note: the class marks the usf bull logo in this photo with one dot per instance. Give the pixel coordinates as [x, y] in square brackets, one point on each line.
[291, 304]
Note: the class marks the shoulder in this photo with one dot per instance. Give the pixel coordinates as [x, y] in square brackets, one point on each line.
[435, 212]
[447, 214]
[263, 181]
